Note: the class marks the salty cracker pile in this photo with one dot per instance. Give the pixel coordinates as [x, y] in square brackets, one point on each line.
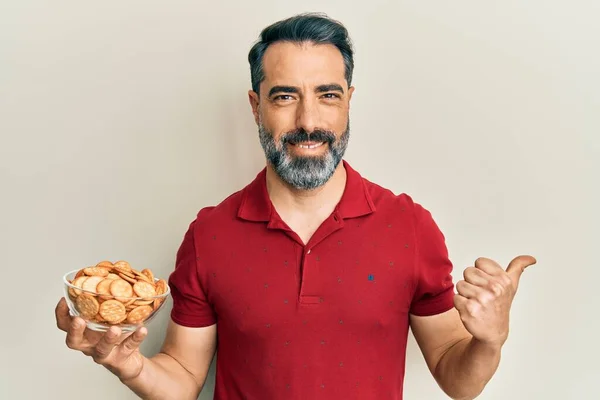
[116, 293]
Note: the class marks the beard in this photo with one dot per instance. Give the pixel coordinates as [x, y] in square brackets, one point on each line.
[304, 172]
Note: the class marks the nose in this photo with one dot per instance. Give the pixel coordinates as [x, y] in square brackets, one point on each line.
[307, 115]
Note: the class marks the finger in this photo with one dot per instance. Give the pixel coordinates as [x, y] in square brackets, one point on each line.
[467, 290]
[75, 332]
[476, 277]
[63, 317]
[488, 266]
[517, 266]
[106, 344]
[460, 303]
[133, 342]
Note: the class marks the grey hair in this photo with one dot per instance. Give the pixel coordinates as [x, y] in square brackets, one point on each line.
[315, 28]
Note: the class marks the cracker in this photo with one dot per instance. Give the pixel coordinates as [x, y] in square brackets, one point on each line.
[122, 265]
[144, 289]
[103, 289]
[87, 305]
[112, 311]
[117, 322]
[122, 290]
[161, 287]
[72, 294]
[143, 302]
[143, 277]
[149, 274]
[91, 283]
[112, 276]
[78, 283]
[123, 270]
[139, 314]
[95, 271]
[98, 318]
[105, 264]
[128, 278]
[128, 302]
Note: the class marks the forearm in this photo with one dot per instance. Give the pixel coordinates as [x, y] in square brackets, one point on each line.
[465, 369]
[163, 378]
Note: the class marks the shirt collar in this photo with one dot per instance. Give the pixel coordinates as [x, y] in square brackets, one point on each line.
[355, 202]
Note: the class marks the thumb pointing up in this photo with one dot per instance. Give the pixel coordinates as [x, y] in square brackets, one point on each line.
[517, 266]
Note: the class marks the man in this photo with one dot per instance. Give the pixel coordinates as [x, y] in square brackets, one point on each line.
[310, 277]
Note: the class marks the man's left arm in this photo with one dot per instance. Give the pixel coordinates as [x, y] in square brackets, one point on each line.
[462, 346]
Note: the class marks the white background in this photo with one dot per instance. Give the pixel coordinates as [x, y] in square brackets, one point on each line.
[119, 120]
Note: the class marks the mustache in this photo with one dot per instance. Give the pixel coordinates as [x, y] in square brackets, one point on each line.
[300, 135]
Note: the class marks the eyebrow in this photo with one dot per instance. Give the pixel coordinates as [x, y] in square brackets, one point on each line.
[330, 87]
[283, 89]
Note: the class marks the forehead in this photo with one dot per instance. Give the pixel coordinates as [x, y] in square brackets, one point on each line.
[303, 63]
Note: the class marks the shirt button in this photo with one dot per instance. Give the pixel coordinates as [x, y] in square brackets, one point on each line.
[308, 252]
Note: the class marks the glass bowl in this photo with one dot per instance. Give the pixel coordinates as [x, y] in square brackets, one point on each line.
[117, 299]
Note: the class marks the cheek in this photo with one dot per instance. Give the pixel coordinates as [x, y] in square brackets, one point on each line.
[336, 118]
[278, 122]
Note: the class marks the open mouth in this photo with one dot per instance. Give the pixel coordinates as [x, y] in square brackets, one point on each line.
[309, 145]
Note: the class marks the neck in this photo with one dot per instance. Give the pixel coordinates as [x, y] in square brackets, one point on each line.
[319, 202]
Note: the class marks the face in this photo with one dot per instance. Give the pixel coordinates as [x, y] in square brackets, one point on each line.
[302, 112]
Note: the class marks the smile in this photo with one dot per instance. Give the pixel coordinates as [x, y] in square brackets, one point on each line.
[309, 145]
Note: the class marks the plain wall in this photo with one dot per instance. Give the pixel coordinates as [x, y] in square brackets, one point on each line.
[120, 120]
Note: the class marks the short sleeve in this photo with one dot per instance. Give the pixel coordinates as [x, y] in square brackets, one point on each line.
[190, 305]
[434, 292]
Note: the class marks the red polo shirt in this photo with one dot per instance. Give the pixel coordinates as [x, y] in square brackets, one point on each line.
[325, 320]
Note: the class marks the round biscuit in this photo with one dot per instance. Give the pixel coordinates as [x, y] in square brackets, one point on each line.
[112, 276]
[161, 287]
[112, 311]
[94, 271]
[91, 283]
[124, 271]
[103, 289]
[128, 278]
[78, 283]
[122, 265]
[118, 321]
[143, 302]
[98, 318]
[139, 314]
[105, 264]
[142, 277]
[128, 302]
[87, 305]
[149, 274]
[72, 294]
[121, 289]
[144, 289]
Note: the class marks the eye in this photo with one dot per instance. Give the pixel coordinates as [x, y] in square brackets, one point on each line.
[283, 97]
[330, 96]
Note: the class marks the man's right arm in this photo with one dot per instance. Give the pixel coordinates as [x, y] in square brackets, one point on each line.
[179, 370]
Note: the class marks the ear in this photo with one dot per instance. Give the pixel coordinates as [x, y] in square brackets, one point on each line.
[350, 91]
[253, 98]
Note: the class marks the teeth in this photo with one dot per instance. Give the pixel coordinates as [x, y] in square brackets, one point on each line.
[312, 146]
